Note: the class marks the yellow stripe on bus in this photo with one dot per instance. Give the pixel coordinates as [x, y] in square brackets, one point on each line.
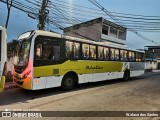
[79, 66]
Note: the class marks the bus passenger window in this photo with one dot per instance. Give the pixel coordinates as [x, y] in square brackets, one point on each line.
[56, 53]
[69, 49]
[85, 51]
[38, 51]
[122, 55]
[51, 52]
[100, 53]
[126, 55]
[137, 57]
[116, 54]
[76, 49]
[106, 53]
[130, 56]
[142, 54]
[141, 57]
[93, 52]
[112, 53]
[47, 50]
[133, 56]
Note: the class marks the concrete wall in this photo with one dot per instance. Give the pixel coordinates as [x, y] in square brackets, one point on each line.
[151, 65]
[90, 31]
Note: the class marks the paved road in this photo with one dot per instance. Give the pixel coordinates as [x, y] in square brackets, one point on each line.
[139, 94]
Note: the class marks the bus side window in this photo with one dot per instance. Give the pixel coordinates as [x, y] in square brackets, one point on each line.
[126, 55]
[47, 50]
[106, 53]
[76, 49]
[85, 51]
[38, 51]
[69, 49]
[93, 52]
[116, 54]
[131, 56]
[52, 52]
[56, 53]
[141, 57]
[112, 53]
[137, 56]
[142, 54]
[122, 55]
[100, 53]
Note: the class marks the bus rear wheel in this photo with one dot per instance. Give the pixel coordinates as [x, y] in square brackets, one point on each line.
[126, 75]
[68, 82]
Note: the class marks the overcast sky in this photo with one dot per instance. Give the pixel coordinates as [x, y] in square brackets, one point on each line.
[20, 22]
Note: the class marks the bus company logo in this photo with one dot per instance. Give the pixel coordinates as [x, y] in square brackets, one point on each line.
[93, 67]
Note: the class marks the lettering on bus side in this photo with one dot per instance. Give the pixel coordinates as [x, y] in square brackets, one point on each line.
[93, 67]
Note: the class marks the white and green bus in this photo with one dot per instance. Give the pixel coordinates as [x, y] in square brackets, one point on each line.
[48, 59]
[3, 55]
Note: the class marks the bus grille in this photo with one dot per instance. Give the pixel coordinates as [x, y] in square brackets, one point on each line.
[19, 69]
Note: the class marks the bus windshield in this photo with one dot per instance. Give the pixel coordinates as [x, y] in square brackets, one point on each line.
[23, 55]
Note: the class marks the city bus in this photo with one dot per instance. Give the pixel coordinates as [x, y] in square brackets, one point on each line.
[47, 59]
[3, 55]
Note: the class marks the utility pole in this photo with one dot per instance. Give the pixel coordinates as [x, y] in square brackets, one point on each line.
[42, 15]
[9, 10]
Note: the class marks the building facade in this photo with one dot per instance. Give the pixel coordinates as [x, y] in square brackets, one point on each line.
[100, 30]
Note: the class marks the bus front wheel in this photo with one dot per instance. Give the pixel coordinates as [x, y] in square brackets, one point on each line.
[68, 82]
[126, 75]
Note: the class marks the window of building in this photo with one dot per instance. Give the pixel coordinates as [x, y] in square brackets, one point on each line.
[85, 51]
[100, 53]
[122, 35]
[105, 30]
[113, 32]
[93, 52]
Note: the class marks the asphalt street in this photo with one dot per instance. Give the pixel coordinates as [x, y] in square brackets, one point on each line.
[138, 94]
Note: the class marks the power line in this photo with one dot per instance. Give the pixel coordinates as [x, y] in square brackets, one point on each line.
[117, 21]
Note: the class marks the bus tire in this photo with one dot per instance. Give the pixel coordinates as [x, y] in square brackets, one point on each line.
[68, 82]
[126, 75]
